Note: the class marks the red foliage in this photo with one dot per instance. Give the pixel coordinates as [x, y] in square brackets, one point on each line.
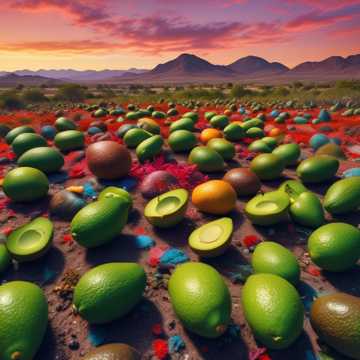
[251, 240]
[160, 348]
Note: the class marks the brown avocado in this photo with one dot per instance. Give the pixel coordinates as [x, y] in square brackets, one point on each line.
[113, 352]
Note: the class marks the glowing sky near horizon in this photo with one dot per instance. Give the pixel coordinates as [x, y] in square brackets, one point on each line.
[121, 34]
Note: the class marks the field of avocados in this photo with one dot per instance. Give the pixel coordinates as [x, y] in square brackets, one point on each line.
[180, 229]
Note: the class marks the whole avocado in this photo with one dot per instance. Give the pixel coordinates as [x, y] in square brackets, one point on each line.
[113, 352]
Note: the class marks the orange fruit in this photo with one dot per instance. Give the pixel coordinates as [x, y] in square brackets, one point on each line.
[227, 112]
[208, 134]
[214, 197]
[275, 132]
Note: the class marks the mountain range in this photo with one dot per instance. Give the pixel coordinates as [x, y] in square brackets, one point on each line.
[188, 68]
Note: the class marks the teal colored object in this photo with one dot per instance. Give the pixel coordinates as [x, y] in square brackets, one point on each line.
[300, 120]
[318, 140]
[324, 115]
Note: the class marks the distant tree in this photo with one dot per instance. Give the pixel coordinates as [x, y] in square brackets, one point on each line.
[34, 96]
[238, 91]
[71, 92]
[10, 100]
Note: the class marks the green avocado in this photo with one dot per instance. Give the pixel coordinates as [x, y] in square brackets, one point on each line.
[12, 134]
[268, 209]
[234, 132]
[307, 210]
[200, 299]
[109, 291]
[259, 146]
[182, 124]
[213, 238]
[23, 320]
[191, 115]
[317, 169]
[25, 184]
[99, 222]
[219, 121]
[209, 114]
[117, 193]
[167, 209]
[335, 247]
[223, 147]
[293, 188]
[5, 258]
[343, 196]
[149, 148]
[273, 309]
[206, 159]
[335, 319]
[113, 352]
[158, 115]
[27, 141]
[69, 140]
[255, 132]
[149, 125]
[272, 258]
[332, 150]
[63, 124]
[45, 159]
[288, 153]
[271, 142]
[31, 241]
[134, 137]
[182, 140]
[267, 166]
[256, 122]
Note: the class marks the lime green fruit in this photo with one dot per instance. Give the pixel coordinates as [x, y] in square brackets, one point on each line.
[343, 196]
[273, 309]
[288, 153]
[132, 115]
[234, 132]
[167, 209]
[293, 188]
[219, 121]
[45, 159]
[200, 299]
[259, 146]
[27, 141]
[23, 320]
[255, 132]
[158, 115]
[69, 140]
[25, 184]
[182, 124]
[99, 222]
[335, 319]
[12, 134]
[270, 142]
[206, 159]
[5, 258]
[113, 352]
[267, 166]
[117, 193]
[134, 137]
[192, 115]
[109, 291]
[182, 140]
[307, 210]
[223, 147]
[63, 124]
[256, 122]
[317, 169]
[268, 209]
[209, 114]
[272, 258]
[31, 241]
[213, 238]
[149, 125]
[335, 247]
[149, 148]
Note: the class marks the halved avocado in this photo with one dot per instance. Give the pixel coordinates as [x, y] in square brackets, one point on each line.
[268, 209]
[31, 241]
[118, 193]
[213, 238]
[167, 209]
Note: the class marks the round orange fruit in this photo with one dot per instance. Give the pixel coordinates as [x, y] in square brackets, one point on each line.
[208, 134]
[275, 132]
[227, 112]
[214, 197]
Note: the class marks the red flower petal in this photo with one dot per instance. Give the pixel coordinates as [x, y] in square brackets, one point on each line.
[160, 348]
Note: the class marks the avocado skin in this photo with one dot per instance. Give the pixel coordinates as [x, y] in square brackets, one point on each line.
[113, 352]
[343, 196]
[336, 320]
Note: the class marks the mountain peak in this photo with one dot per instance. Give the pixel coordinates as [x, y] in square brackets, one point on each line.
[253, 64]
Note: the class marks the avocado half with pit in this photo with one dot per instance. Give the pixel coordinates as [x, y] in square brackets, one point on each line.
[268, 209]
[213, 238]
[167, 209]
[31, 241]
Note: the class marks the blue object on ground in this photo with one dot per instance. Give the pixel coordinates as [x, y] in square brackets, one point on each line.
[176, 343]
[324, 115]
[308, 295]
[173, 256]
[318, 140]
[144, 242]
[351, 172]
[96, 335]
[89, 190]
[58, 178]
[48, 132]
[94, 130]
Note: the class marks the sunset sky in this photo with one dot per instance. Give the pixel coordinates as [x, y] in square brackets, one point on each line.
[121, 34]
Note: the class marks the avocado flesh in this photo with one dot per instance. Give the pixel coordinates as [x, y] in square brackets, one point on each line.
[213, 238]
[167, 209]
[30, 241]
[268, 209]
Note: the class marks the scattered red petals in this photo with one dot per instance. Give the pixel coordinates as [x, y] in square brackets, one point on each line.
[251, 240]
[78, 170]
[155, 254]
[160, 348]
[139, 230]
[68, 239]
[313, 270]
[157, 329]
[264, 357]
[257, 353]
[7, 230]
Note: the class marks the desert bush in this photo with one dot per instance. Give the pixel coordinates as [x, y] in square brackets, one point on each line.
[33, 96]
[10, 100]
[70, 92]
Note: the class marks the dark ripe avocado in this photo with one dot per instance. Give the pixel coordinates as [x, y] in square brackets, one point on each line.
[167, 209]
[268, 209]
[27, 141]
[113, 352]
[108, 160]
[12, 134]
[157, 183]
[244, 181]
[31, 241]
[213, 238]
[45, 159]
[65, 204]
[336, 320]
